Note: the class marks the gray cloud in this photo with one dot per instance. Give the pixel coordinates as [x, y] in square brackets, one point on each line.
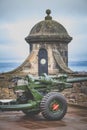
[4, 37]
[72, 12]
[19, 9]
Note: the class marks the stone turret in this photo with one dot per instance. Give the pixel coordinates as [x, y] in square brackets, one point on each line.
[46, 36]
[48, 41]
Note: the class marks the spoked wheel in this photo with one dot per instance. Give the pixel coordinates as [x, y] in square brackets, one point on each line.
[53, 106]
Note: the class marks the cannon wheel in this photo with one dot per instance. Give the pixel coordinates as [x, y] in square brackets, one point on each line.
[53, 106]
[30, 113]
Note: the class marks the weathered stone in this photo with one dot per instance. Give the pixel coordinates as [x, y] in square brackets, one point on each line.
[49, 35]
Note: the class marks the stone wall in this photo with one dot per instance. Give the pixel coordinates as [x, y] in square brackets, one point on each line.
[77, 95]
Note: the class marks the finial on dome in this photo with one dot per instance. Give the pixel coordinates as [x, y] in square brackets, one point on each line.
[48, 17]
[48, 11]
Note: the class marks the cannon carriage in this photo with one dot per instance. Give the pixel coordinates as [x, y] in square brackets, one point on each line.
[40, 94]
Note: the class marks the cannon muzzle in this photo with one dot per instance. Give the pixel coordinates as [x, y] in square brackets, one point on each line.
[76, 80]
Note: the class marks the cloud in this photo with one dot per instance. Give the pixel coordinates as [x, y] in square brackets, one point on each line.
[77, 29]
[75, 24]
[76, 7]
[19, 9]
[18, 52]
[15, 47]
[15, 32]
[78, 48]
[18, 17]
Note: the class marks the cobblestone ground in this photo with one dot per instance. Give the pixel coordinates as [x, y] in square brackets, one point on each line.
[75, 119]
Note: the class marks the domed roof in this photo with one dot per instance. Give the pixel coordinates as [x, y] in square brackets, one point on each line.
[48, 30]
[48, 27]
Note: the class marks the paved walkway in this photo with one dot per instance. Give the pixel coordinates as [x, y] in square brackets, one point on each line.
[75, 119]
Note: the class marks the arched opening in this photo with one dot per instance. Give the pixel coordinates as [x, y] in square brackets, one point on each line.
[42, 61]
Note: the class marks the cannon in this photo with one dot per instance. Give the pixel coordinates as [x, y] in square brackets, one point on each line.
[40, 94]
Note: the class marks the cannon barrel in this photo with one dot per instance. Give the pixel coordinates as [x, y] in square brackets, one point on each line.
[76, 80]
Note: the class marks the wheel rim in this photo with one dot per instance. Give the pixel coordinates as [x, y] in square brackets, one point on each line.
[55, 106]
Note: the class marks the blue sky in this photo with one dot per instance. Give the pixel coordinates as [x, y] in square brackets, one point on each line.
[17, 17]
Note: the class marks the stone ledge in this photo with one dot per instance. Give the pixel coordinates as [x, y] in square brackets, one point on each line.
[77, 105]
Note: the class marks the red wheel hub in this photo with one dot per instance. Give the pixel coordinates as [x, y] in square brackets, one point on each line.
[55, 107]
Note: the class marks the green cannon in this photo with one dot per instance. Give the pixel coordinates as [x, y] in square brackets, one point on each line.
[40, 94]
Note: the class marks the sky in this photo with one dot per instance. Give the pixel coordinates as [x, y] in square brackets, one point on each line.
[17, 17]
